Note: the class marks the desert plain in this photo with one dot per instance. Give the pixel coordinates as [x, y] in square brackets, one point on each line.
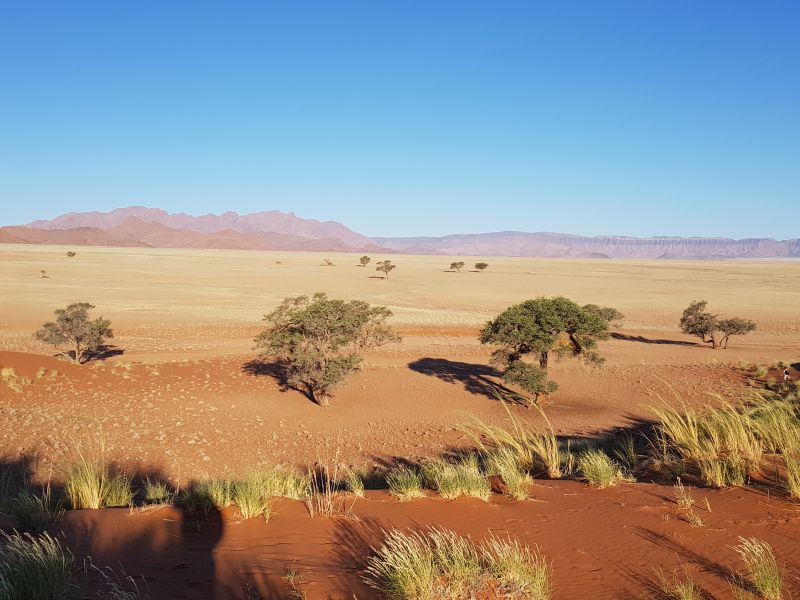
[184, 395]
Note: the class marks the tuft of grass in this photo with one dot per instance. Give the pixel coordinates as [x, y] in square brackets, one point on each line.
[89, 484]
[762, 570]
[518, 570]
[505, 464]
[683, 497]
[625, 452]
[117, 491]
[441, 564]
[280, 482]
[207, 496]
[792, 462]
[405, 483]
[599, 469]
[354, 481]
[33, 567]
[33, 513]
[461, 478]
[678, 587]
[248, 494]
[120, 586]
[157, 491]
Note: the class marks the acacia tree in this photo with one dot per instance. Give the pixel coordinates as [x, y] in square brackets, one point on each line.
[538, 328]
[457, 266]
[481, 266]
[364, 260]
[611, 315]
[385, 266]
[73, 335]
[320, 341]
[710, 328]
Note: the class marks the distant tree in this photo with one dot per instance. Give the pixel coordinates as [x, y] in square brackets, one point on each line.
[457, 266]
[538, 328]
[43, 274]
[321, 340]
[70, 253]
[328, 263]
[481, 266]
[385, 266]
[611, 315]
[364, 260]
[73, 334]
[710, 328]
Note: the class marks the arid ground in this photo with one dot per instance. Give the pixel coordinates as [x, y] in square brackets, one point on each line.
[182, 395]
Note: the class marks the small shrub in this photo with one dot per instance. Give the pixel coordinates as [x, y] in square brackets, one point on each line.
[70, 253]
[761, 371]
[405, 483]
[599, 469]
[34, 567]
[480, 266]
[679, 587]
[761, 568]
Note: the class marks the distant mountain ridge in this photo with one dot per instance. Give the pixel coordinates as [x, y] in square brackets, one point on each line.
[139, 226]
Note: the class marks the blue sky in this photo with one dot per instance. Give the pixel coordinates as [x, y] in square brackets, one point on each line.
[409, 118]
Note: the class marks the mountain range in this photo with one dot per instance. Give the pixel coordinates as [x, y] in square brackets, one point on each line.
[138, 226]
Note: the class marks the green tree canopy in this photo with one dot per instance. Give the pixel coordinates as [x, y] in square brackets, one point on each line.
[385, 266]
[364, 260]
[321, 340]
[481, 266]
[73, 334]
[711, 328]
[539, 328]
[457, 266]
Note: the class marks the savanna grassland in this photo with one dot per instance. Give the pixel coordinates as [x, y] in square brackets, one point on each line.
[181, 397]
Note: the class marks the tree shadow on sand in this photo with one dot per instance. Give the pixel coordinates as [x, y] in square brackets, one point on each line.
[476, 378]
[644, 340]
[277, 370]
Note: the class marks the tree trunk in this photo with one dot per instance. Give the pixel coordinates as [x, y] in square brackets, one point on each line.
[543, 361]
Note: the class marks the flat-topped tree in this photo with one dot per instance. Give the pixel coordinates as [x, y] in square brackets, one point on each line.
[457, 266]
[539, 328]
[711, 328]
[320, 341]
[73, 334]
[385, 266]
[364, 260]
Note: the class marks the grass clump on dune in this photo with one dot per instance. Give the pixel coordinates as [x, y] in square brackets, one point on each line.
[762, 570]
[792, 462]
[280, 482]
[678, 587]
[89, 484]
[249, 495]
[599, 468]
[33, 567]
[156, 491]
[405, 482]
[33, 513]
[504, 463]
[442, 564]
[207, 496]
[454, 479]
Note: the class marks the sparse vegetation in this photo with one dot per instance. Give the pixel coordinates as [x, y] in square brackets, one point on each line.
[405, 483]
[89, 484]
[481, 266]
[321, 340]
[539, 328]
[457, 266]
[70, 253]
[678, 586]
[364, 260]
[453, 479]
[385, 267]
[761, 568]
[711, 328]
[207, 496]
[599, 468]
[34, 513]
[73, 334]
[35, 567]
[442, 564]
[249, 495]
[157, 491]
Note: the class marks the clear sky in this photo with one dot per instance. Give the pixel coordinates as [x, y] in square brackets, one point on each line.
[409, 118]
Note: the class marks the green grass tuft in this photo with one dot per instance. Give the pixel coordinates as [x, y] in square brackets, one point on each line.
[405, 483]
[34, 567]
